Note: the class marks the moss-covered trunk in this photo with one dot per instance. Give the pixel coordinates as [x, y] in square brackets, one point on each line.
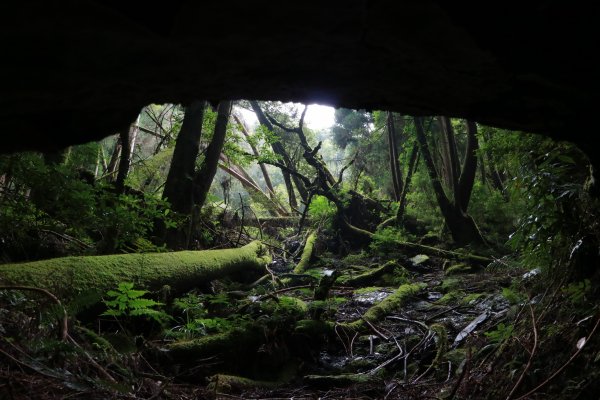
[181, 271]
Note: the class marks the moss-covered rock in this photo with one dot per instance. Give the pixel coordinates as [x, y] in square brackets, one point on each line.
[182, 270]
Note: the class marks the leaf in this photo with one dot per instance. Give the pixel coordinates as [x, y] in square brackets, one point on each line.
[580, 343]
[125, 286]
[142, 303]
[134, 294]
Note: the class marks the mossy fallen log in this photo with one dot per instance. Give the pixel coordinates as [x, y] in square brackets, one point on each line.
[228, 384]
[236, 343]
[339, 381]
[387, 306]
[68, 276]
[391, 269]
[307, 254]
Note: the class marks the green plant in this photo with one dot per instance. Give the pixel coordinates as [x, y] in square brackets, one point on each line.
[512, 296]
[128, 302]
[577, 291]
[321, 209]
[500, 334]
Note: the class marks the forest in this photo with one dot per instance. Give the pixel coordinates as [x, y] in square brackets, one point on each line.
[232, 250]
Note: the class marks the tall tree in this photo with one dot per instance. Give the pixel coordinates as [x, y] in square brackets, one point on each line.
[204, 177]
[178, 187]
[461, 225]
[393, 154]
[279, 150]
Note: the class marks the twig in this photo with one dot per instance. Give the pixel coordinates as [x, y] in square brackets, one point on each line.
[381, 335]
[65, 319]
[531, 354]
[242, 224]
[289, 289]
[98, 367]
[558, 371]
[462, 375]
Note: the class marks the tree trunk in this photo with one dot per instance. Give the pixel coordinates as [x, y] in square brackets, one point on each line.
[452, 157]
[462, 227]
[414, 159]
[178, 187]
[123, 161]
[181, 271]
[393, 154]
[263, 166]
[204, 177]
[469, 169]
[111, 169]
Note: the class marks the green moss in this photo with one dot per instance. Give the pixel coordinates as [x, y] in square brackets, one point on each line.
[307, 254]
[460, 268]
[222, 383]
[342, 380]
[451, 297]
[449, 284]
[389, 274]
[181, 270]
[232, 344]
[368, 289]
[286, 305]
[388, 305]
[313, 328]
[471, 298]
[441, 343]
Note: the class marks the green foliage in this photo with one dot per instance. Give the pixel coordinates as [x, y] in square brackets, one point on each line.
[577, 291]
[502, 333]
[386, 240]
[128, 302]
[321, 209]
[512, 296]
[555, 211]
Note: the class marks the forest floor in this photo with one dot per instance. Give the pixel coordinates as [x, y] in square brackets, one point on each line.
[420, 327]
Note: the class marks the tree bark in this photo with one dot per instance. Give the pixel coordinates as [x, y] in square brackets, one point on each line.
[412, 165]
[469, 169]
[178, 187]
[461, 225]
[393, 155]
[204, 177]
[69, 276]
[123, 161]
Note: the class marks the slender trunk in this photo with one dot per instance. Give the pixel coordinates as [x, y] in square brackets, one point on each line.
[263, 167]
[178, 187]
[111, 169]
[412, 165]
[393, 155]
[452, 157]
[124, 161]
[257, 195]
[469, 169]
[204, 177]
[280, 151]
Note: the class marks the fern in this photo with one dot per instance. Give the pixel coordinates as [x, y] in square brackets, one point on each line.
[128, 302]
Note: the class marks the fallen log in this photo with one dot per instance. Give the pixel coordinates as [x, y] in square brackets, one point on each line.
[307, 254]
[390, 304]
[181, 271]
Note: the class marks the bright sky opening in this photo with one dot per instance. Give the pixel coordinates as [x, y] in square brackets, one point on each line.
[317, 117]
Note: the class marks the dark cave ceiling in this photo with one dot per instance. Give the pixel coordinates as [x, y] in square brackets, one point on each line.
[79, 70]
